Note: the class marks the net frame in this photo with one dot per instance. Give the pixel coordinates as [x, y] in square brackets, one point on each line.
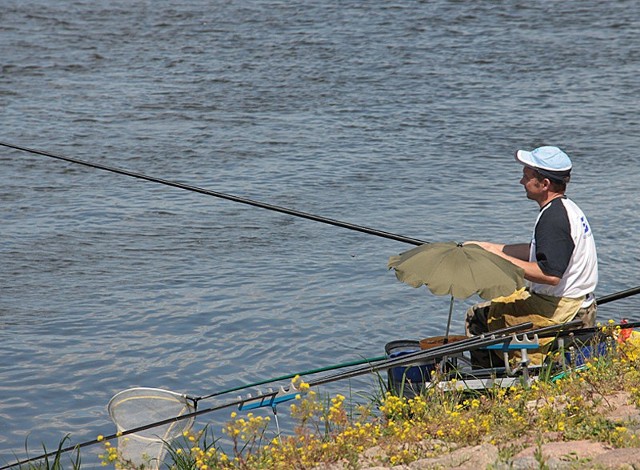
[142, 406]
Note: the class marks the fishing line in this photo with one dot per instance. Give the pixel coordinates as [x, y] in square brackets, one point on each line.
[230, 197]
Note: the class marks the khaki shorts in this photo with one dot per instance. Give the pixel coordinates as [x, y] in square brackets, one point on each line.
[541, 310]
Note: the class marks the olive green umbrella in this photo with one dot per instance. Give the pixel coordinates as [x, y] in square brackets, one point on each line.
[458, 270]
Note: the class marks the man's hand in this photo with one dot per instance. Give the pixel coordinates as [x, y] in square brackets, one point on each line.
[518, 254]
[496, 248]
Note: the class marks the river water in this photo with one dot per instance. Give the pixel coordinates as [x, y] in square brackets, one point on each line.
[400, 116]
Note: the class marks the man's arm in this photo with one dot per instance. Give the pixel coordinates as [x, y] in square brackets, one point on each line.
[518, 254]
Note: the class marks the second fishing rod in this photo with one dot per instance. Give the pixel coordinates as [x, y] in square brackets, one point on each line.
[229, 197]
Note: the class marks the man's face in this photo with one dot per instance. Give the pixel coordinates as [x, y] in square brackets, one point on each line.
[532, 185]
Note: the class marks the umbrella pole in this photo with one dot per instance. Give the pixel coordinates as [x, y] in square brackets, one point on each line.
[446, 334]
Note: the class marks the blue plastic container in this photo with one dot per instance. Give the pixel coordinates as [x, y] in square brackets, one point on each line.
[410, 380]
[582, 353]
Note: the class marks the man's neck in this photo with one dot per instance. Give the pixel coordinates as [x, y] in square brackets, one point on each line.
[549, 197]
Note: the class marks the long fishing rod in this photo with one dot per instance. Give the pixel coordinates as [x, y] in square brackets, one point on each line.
[472, 343]
[230, 197]
[600, 301]
[251, 202]
[455, 348]
[291, 376]
[588, 330]
[499, 336]
[618, 295]
[363, 229]
[132, 431]
[382, 363]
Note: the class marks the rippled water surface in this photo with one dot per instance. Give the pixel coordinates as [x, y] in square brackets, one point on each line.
[397, 116]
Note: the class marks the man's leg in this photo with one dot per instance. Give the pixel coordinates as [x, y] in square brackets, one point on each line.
[475, 325]
[587, 315]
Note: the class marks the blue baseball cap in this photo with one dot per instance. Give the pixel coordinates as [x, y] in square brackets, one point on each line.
[548, 161]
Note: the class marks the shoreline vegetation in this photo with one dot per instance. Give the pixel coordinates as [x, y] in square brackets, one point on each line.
[588, 417]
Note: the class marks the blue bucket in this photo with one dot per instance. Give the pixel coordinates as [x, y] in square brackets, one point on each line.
[408, 380]
[582, 353]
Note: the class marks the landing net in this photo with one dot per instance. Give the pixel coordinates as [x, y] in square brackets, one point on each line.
[137, 407]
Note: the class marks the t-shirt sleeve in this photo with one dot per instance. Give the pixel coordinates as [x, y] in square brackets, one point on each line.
[554, 245]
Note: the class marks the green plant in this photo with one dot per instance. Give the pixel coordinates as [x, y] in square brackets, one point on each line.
[404, 429]
[55, 464]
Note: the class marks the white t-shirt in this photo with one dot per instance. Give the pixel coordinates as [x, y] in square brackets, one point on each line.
[563, 246]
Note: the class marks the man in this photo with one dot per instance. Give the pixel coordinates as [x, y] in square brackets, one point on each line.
[560, 263]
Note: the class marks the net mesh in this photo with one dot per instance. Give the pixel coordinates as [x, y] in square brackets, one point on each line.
[138, 407]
